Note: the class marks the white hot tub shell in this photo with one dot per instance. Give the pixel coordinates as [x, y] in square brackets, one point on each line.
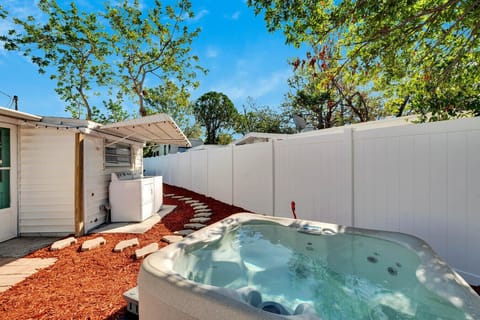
[134, 199]
[166, 293]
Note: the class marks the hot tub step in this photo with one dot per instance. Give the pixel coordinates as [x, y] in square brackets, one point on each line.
[131, 296]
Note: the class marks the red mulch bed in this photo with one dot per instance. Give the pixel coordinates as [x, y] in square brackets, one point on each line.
[89, 285]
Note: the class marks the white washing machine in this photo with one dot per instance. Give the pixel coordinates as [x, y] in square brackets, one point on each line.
[134, 199]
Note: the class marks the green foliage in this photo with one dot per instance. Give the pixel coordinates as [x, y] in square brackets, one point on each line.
[404, 49]
[3, 12]
[113, 53]
[153, 43]
[327, 98]
[71, 42]
[260, 119]
[225, 138]
[216, 112]
[169, 99]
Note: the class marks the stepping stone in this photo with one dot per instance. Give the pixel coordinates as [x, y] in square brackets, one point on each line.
[185, 232]
[60, 244]
[194, 226]
[202, 210]
[142, 252]
[200, 219]
[171, 239]
[169, 195]
[122, 245]
[202, 215]
[93, 243]
[176, 197]
[197, 204]
[191, 201]
[200, 207]
[185, 199]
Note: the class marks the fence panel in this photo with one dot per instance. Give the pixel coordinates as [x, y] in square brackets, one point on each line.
[220, 168]
[185, 170]
[423, 180]
[315, 172]
[199, 171]
[253, 177]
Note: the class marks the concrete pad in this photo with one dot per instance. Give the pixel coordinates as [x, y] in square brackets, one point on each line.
[122, 245]
[136, 227]
[185, 232]
[200, 220]
[200, 207]
[171, 239]
[12, 271]
[60, 244]
[20, 247]
[143, 252]
[203, 215]
[93, 243]
[185, 199]
[194, 226]
[191, 201]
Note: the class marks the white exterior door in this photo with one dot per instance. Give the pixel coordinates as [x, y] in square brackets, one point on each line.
[8, 182]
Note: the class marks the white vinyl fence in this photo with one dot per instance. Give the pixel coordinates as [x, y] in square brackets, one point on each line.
[421, 179]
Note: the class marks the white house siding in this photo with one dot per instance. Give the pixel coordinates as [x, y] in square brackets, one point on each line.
[47, 168]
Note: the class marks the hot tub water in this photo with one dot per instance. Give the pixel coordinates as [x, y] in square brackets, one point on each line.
[343, 275]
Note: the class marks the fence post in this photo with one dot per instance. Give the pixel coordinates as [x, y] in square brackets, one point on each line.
[350, 167]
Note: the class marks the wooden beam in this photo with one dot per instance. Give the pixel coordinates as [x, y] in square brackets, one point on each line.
[79, 210]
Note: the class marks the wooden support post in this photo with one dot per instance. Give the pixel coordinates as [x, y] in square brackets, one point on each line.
[79, 210]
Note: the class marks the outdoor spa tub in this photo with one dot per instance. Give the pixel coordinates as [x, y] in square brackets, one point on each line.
[250, 266]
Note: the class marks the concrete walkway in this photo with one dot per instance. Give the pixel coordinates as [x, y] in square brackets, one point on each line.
[14, 268]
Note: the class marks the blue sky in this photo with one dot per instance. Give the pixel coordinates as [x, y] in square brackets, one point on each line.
[243, 59]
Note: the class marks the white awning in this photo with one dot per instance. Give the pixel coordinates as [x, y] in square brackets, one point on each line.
[157, 128]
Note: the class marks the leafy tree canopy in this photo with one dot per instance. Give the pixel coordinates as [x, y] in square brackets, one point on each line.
[256, 118]
[413, 51]
[153, 43]
[112, 53]
[216, 112]
[72, 42]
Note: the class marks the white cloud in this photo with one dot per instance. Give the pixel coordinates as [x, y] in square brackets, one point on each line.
[212, 52]
[199, 15]
[235, 15]
[243, 84]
